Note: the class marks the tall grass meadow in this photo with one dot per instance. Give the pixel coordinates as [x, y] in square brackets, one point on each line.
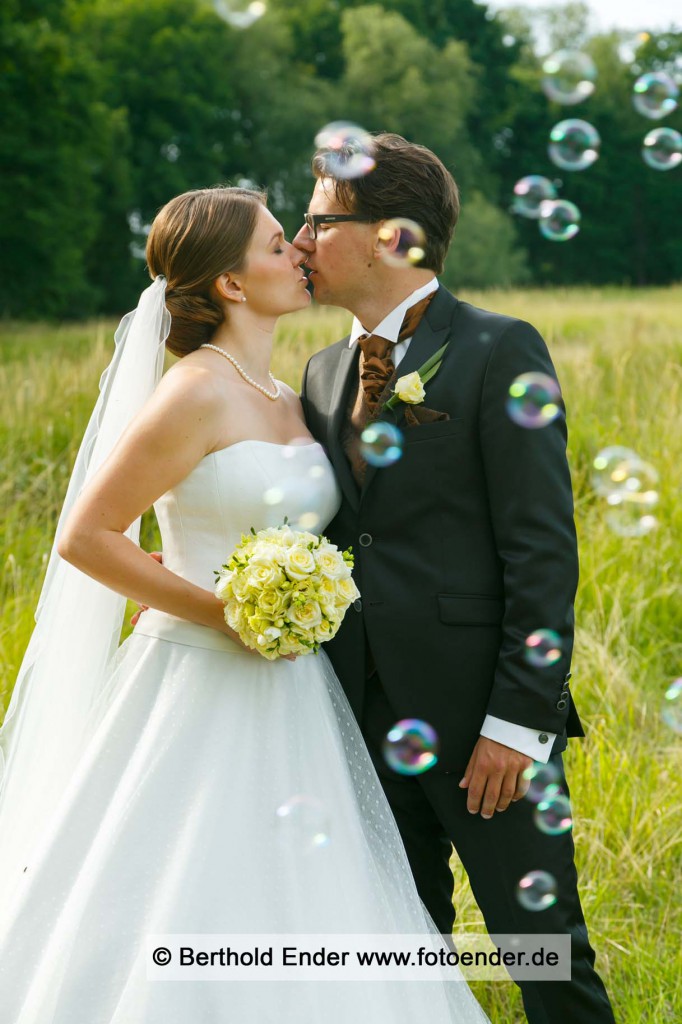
[619, 358]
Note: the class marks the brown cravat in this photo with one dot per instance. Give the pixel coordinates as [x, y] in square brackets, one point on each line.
[377, 373]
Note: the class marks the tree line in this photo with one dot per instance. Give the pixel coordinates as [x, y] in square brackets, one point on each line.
[110, 107]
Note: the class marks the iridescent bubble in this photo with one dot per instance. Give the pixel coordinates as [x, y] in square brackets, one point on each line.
[553, 815]
[569, 77]
[671, 712]
[239, 14]
[529, 193]
[543, 648]
[631, 515]
[381, 444]
[544, 781]
[534, 400]
[303, 822]
[559, 220]
[537, 890]
[573, 144]
[407, 240]
[662, 149]
[348, 150]
[298, 495]
[410, 747]
[655, 95]
[611, 470]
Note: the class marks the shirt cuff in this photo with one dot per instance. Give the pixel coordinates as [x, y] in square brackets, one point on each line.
[530, 742]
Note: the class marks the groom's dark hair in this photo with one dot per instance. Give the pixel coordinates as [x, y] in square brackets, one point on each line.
[408, 181]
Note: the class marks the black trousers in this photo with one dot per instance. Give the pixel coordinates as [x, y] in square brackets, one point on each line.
[432, 817]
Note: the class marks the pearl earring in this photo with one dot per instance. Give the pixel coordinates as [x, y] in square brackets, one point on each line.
[243, 298]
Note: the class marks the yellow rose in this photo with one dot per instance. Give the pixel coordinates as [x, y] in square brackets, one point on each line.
[308, 615]
[299, 562]
[410, 389]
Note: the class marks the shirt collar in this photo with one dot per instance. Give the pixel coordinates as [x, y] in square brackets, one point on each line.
[389, 327]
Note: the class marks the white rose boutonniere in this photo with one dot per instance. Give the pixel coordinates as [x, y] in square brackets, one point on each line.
[410, 388]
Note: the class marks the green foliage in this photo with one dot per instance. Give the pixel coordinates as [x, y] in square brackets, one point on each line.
[484, 252]
[108, 108]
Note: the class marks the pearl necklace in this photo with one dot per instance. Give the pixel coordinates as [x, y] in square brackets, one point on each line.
[272, 395]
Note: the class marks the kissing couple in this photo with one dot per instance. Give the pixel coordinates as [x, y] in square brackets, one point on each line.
[171, 785]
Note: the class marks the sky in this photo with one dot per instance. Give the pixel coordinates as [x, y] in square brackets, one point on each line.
[645, 15]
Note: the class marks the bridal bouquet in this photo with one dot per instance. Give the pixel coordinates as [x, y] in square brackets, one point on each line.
[286, 591]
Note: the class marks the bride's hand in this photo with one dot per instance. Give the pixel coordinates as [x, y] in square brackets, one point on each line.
[135, 617]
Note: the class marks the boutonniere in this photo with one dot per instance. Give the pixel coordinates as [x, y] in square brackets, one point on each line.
[410, 388]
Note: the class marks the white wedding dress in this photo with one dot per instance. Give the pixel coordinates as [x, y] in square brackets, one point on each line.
[170, 823]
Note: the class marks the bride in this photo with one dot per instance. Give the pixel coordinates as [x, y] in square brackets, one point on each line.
[181, 783]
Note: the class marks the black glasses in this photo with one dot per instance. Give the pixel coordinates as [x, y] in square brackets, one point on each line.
[313, 220]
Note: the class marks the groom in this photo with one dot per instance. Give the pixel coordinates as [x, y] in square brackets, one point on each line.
[463, 548]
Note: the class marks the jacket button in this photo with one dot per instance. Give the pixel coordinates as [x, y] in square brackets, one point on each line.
[543, 738]
[564, 695]
[568, 676]
[357, 604]
[365, 539]
[561, 704]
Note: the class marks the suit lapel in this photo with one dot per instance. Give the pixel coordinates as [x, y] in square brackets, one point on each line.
[346, 375]
[431, 334]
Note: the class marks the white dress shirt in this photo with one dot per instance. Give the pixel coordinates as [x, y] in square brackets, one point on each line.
[518, 737]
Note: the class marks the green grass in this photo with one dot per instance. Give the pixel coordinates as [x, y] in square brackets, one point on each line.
[619, 356]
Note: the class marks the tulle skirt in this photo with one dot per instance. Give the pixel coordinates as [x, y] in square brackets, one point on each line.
[221, 794]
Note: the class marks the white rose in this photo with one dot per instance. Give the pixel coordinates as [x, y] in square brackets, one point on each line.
[299, 562]
[223, 587]
[410, 389]
[346, 591]
[325, 631]
[272, 602]
[331, 564]
[259, 577]
[308, 615]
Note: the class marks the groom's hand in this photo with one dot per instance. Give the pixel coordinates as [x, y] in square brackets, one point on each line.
[494, 777]
[134, 618]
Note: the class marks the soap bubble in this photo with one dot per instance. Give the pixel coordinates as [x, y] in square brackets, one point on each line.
[529, 193]
[534, 400]
[543, 648]
[381, 444]
[630, 515]
[655, 95]
[239, 14]
[410, 747]
[537, 890]
[544, 781]
[569, 77]
[303, 822]
[616, 469]
[553, 815]
[559, 220]
[662, 149]
[348, 150]
[573, 144]
[411, 242]
[671, 712]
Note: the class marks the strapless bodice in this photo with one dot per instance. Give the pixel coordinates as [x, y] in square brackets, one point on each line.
[248, 484]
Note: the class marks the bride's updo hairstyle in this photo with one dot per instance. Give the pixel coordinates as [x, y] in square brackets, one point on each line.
[194, 239]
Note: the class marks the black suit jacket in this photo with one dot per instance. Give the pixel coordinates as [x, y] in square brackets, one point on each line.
[465, 545]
